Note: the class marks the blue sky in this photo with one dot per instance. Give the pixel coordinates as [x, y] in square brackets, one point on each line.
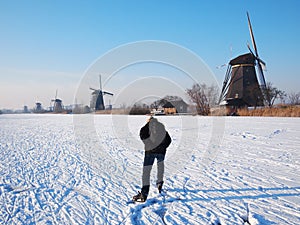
[48, 45]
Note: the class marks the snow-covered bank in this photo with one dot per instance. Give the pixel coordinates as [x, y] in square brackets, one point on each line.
[58, 169]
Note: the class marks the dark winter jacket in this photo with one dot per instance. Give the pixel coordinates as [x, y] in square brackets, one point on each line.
[155, 137]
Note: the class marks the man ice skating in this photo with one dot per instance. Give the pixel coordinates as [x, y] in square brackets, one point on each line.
[156, 140]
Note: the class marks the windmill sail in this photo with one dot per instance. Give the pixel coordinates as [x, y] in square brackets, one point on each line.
[251, 34]
[260, 63]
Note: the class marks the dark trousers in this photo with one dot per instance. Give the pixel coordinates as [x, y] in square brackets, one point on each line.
[149, 159]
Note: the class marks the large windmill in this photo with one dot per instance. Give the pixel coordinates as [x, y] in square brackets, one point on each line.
[242, 87]
[97, 101]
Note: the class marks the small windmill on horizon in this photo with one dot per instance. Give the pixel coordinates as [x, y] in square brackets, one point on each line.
[97, 101]
[57, 106]
[242, 87]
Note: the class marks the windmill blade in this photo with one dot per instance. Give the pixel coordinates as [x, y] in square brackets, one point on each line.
[263, 85]
[252, 35]
[248, 45]
[100, 82]
[219, 67]
[263, 65]
[260, 61]
[225, 85]
[56, 94]
[107, 93]
[93, 89]
[262, 77]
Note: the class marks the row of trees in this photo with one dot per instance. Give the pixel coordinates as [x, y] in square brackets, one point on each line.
[205, 97]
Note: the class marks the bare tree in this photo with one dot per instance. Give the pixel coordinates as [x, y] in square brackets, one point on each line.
[198, 94]
[294, 98]
[213, 95]
[273, 93]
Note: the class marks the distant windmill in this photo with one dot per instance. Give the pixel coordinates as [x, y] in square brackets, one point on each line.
[97, 101]
[38, 107]
[57, 106]
[241, 87]
[25, 109]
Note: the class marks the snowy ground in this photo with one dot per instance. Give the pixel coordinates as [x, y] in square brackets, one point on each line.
[60, 169]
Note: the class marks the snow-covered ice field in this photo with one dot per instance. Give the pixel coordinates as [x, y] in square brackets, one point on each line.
[83, 169]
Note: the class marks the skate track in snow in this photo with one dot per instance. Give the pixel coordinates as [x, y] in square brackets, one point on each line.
[58, 169]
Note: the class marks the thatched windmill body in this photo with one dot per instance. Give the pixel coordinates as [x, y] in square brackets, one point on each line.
[242, 87]
[97, 101]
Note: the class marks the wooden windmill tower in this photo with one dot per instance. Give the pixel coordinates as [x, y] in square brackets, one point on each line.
[97, 101]
[57, 106]
[242, 87]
